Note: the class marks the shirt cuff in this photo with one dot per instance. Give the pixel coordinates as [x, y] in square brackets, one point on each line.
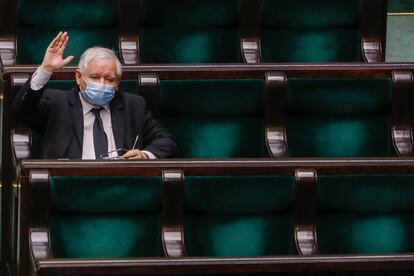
[39, 79]
[149, 154]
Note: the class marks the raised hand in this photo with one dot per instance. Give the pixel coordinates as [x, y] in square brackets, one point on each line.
[53, 58]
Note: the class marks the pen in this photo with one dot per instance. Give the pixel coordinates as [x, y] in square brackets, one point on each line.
[135, 142]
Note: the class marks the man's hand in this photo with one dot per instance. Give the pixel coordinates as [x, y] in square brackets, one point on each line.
[135, 154]
[53, 59]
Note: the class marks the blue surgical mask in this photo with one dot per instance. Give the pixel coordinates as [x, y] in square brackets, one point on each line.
[98, 94]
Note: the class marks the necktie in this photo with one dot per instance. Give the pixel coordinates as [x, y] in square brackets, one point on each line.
[99, 136]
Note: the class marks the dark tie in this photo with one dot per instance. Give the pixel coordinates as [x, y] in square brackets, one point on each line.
[100, 140]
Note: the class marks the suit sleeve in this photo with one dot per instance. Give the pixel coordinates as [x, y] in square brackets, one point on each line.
[32, 106]
[156, 138]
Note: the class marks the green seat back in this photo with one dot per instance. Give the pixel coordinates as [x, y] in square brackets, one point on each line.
[311, 31]
[238, 215]
[348, 117]
[365, 214]
[214, 118]
[88, 23]
[186, 31]
[97, 217]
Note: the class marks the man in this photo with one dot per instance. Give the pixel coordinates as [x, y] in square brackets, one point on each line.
[91, 121]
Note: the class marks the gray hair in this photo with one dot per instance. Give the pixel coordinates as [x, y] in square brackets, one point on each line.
[98, 52]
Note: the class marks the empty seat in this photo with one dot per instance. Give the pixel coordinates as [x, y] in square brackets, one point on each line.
[339, 117]
[88, 23]
[97, 217]
[186, 31]
[365, 214]
[238, 215]
[312, 31]
[214, 118]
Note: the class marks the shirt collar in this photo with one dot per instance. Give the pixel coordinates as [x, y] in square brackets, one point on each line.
[86, 106]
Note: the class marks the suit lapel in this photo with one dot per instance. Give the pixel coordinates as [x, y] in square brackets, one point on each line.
[76, 113]
[118, 120]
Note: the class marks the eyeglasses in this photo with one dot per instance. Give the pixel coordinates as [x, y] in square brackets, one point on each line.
[120, 152]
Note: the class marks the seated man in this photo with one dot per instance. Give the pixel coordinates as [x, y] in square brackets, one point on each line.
[92, 120]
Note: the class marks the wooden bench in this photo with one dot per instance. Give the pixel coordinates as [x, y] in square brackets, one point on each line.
[317, 186]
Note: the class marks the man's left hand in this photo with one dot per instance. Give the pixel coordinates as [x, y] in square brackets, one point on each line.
[135, 154]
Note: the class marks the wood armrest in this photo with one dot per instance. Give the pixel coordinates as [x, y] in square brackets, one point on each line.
[21, 143]
[402, 112]
[172, 213]
[129, 33]
[39, 242]
[305, 209]
[275, 132]
[373, 29]
[250, 24]
[148, 85]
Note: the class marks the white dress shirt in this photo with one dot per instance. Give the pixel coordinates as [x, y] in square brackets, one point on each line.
[41, 77]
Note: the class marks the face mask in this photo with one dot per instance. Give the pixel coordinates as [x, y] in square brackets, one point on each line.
[98, 94]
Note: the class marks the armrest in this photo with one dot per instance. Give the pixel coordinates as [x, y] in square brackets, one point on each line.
[275, 132]
[373, 29]
[39, 242]
[8, 25]
[129, 34]
[402, 112]
[148, 85]
[21, 142]
[250, 25]
[305, 209]
[172, 213]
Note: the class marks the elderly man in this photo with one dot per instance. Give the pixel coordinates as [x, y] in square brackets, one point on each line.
[91, 121]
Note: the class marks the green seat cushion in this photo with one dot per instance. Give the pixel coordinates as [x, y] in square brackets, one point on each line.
[33, 41]
[366, 193]
[222, 218]
[365, 214]
[311, 31]
[61, 13]
[339, 136]
[365, 234]
[315, 45]
[217, 136]
[105, 236]
[214, 118]
[195, 45]
[338, 95]
[88, 23]
[347, 117]
[187, 31]
[311, 14]
[189, 13]
[97, 217]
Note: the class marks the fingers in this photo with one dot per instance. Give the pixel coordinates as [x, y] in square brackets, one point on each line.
[67, 60]
[135, 154]
[62, 44]
[55, 40]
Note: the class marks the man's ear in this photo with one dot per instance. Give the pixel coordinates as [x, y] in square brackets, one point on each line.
[78, 76]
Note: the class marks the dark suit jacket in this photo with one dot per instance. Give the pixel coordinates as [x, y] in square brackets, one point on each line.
[58, 115]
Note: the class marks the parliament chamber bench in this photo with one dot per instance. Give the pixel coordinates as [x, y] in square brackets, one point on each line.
[231, 111]
[203, 31]
[244, 111]
[216, 216]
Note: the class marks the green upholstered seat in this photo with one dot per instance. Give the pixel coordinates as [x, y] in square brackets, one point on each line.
[347, 117]
[223, 218]
[214, 118]
[89, 23]
[96, 217]
[311, 31]
[365, 214]
[186, 31]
